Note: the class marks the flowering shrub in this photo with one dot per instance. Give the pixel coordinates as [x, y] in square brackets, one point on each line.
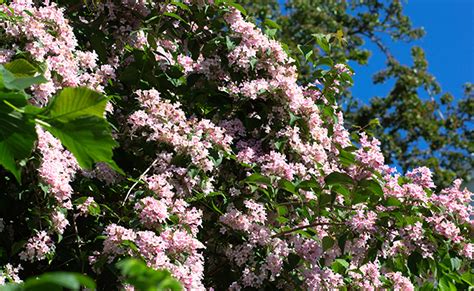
[225, 170]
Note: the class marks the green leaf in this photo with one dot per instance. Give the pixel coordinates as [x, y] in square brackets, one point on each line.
[238, 7]
[19, 75]
[293, 118]
[306, 51]
[257, 178]
[339, 266]
[72, 103]
[341, 189]
[287, 185]
[360, 197]
[338, 178]
[88, 138]
[142, 277]
[455, 263]
[293, 261]
[53, 281]
[392, 201]
[11, 287]
[468, 277]
[282, 210]
[325, 61]
[15, 98]
[21, 67]
[17, 136]
[372, 186]
[346, 158]
[272, 24]
[324, 199]
[229, 43]
[175, 16]
[322, 41]
[309, 184]
[445, 284]
[180, 5]
[327, 242]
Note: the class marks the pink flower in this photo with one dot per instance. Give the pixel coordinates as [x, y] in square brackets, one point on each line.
[60, 221]
[6, 55]
[38, 247]
[325, 279]
[58, 167]
[87, 60]
[369, 153]
[400, 283]
[10, 273]
[276, 164]
[414, 192]
[369, 279]
[468, 250]
[445, 227]
[115, 236]
[83, 208]
[363, 221]
[257, 211]
[152, 248]
[152, 212]
[455, 201]
[421, 176]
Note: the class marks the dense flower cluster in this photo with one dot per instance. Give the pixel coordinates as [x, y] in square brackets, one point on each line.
[38, 247]
[10, 273]
[235, 174]
[46, 35]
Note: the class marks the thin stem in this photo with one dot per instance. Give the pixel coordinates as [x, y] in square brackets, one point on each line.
[139, 179]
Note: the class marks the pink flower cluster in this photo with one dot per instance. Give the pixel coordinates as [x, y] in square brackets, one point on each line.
[400, 283]
[38, 247]
[446, 228]
[455, 201]
[363, 221]
[369, 153]
[152, 212]
[166, 122]
[60, 221]
[10, 274]
[50, 39]
[421, 176]
[368, 278]
[254, 229]
[254, 43]
[326, 279]
[83, 208]
[175, 250]
[58, 167]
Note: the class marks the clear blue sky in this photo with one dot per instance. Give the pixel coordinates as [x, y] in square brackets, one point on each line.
[448, 44]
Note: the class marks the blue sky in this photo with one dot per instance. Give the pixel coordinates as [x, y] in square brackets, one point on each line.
[448, 45]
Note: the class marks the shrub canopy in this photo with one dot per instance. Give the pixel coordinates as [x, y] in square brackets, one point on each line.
[178, 133]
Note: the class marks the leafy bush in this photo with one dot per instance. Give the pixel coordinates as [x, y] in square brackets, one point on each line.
[210, 159]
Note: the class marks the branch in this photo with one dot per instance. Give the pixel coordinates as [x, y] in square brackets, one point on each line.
[380, 44]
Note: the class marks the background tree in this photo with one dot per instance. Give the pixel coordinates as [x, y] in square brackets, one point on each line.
[419, 124]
